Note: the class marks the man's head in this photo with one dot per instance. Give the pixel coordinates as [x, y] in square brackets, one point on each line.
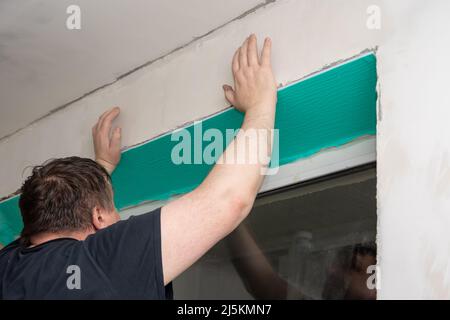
[67, 195]
[348, 273]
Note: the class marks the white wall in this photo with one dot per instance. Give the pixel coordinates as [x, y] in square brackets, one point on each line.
[414, 152]
[307, 35]
[44, 65]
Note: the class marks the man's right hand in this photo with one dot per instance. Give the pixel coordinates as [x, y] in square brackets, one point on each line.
[254, 82]
[107, 142]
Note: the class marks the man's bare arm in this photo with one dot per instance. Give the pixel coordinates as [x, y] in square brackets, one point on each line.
[191, 225]
[255, 270]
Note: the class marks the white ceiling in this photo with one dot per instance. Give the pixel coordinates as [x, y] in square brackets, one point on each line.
[43, 65]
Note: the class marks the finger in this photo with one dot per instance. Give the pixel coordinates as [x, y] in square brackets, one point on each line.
[229, 93]
[100, 119]
[252, 54]
[94, 137]
[116, 138]
[235, 63]
[243, 54]
[105, 125]
[266, 52]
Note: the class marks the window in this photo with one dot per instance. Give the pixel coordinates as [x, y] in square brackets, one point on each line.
[312, 240]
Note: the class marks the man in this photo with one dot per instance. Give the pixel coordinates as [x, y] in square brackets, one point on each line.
[73, 246]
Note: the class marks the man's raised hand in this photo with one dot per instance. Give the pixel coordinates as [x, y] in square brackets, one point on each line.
[254, 83]
[107, 141]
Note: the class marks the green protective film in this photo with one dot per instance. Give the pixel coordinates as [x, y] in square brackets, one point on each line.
[10, 220]
[325, 110]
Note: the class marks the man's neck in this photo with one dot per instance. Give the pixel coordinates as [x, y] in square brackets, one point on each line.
[48, 236]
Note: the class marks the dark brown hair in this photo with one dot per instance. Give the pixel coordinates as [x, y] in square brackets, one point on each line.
[61, 194]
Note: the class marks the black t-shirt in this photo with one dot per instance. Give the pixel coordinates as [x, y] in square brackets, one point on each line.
[122, 261]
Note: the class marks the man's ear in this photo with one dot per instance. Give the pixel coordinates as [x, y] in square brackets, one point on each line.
[98, 218]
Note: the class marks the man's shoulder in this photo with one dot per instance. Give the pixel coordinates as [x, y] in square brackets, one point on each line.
[10, 247]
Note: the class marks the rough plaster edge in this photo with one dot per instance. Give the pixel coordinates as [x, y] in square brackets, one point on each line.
[145, 64]
[10, 196]
[377, 233]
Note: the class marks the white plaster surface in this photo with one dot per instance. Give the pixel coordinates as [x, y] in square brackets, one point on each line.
[414, 153]
[44, 65]
[412, 145]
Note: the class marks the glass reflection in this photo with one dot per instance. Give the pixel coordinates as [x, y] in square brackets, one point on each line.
[315, 241]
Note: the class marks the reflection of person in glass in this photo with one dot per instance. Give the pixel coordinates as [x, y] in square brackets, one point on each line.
[346, 278]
